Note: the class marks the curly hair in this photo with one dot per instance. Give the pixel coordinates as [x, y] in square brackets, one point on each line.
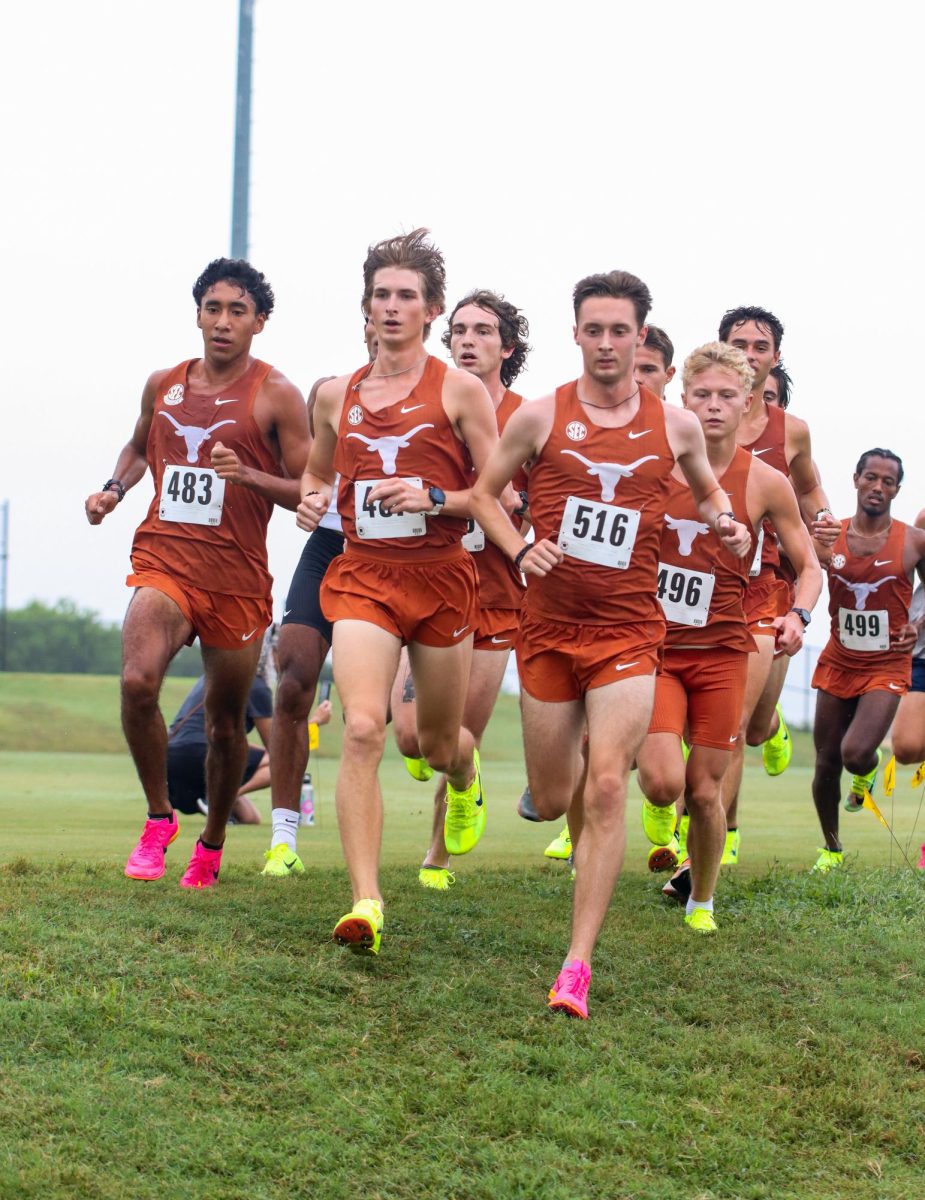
[239, 272]
[411, 252]
[512, 326]
[722, 355]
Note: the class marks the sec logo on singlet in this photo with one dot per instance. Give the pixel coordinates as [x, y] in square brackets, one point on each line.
[838, 561]
[174, 395]
[355, 416]
[576, 430]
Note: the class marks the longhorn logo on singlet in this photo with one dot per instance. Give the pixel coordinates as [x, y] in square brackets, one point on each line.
[609, 474]
[687, 532]
[195, 435]
[388, 446]
[862, 592]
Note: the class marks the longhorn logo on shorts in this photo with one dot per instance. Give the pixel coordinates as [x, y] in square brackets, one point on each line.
[610, 474]
[576, 431]
[862, 592]
[355, 416]
[194, 435]
[174, 395]
[388, 447]
[687, 532]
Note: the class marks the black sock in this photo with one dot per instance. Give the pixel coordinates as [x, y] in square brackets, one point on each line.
[160, 816]
[208, 845]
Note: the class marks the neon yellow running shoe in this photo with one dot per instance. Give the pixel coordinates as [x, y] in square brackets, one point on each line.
[419, 769]
[361, 929]
[730, 849]
[685, 750]
[658, 822]
[680, 835]
[464, 822]
[854, 801]
[827, 860]
[282, 862]
[439, 879]
[701, 921]
[560, 846]
[777, 751]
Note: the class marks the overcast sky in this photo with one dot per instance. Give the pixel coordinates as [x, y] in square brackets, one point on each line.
[726, 153]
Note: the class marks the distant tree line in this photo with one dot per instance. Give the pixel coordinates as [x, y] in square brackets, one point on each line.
[66, 640]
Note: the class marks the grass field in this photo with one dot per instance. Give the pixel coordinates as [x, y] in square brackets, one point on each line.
[150, 1049]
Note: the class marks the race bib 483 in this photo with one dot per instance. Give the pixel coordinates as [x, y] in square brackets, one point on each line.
[192, 495]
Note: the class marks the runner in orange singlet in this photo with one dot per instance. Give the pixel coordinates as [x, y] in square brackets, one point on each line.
[600, 453]
[219, 434]
[403, 433]
[866, 666]
[783, 441]
[701, 586]
[487, 336]
[653, 361]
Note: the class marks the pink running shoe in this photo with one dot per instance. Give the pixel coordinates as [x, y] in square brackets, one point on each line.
[147, 859]
[921, 862]
[203, 868]
[569, 994]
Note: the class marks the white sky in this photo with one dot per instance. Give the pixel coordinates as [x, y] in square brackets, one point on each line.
[726, 153]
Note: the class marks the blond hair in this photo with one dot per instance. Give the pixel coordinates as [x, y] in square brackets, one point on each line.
[718, 354]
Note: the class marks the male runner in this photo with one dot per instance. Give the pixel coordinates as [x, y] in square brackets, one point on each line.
[199, 558]
[783, 441]
[304, 642]
[701, 587]
[778, 386]
[600, 454]
[401, 433]
[486, 336]
[653, 361]
[866, 665]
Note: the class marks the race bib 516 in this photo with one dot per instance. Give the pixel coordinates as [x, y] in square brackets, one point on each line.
[598, 533]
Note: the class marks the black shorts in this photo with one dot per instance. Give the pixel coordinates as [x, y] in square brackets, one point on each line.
[302, 604]
[186, 775]
[918, 675]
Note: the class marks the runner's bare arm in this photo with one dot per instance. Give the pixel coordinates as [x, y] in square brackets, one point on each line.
[469, 408]
[280, 414]
[807, 486]
[770, 495]
[524, 437]
[685, 437]
[318, 479]
[132, 462]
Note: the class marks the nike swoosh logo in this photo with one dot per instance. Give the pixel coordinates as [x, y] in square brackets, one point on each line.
[457, 632]
[626, 666]
[882, 562]
[287, 612]
[732, 739]
[765, 624]
[413, 408]
[246, 637]
[234, 400]
[634, 436]
[500, 641]
[766, 450]
[896, 687]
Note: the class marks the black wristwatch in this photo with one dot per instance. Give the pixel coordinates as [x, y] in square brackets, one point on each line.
[803, 614]
[437, 499]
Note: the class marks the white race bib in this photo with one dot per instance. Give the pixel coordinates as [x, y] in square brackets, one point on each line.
[865, 631]
[474, 537]
[598, 533]
[374, 522]
[192, 495]
[755, 568]
[685, 595]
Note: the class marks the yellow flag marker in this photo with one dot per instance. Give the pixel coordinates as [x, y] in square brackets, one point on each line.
[889, 776]
[871, 806]
[919, 776]
[312, 736]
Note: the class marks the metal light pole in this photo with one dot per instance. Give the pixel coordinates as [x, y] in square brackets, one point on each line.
[4, 556]
[240, 202]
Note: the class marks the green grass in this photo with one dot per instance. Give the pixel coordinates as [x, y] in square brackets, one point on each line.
[155, 1043]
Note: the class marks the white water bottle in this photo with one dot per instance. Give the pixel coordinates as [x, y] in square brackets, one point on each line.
[307, 801]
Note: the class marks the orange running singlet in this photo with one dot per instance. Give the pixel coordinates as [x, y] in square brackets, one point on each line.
[869, 598]
[199, 530]
[770, 447]
[600, 494]
[701, 585]
[414, 439]
[500, 583]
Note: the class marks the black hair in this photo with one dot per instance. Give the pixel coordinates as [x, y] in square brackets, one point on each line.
[784, 385]
[750, 312]
[879, 452]
[239, 272]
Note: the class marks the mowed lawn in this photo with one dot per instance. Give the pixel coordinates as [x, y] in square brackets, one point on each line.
[156, 1043]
